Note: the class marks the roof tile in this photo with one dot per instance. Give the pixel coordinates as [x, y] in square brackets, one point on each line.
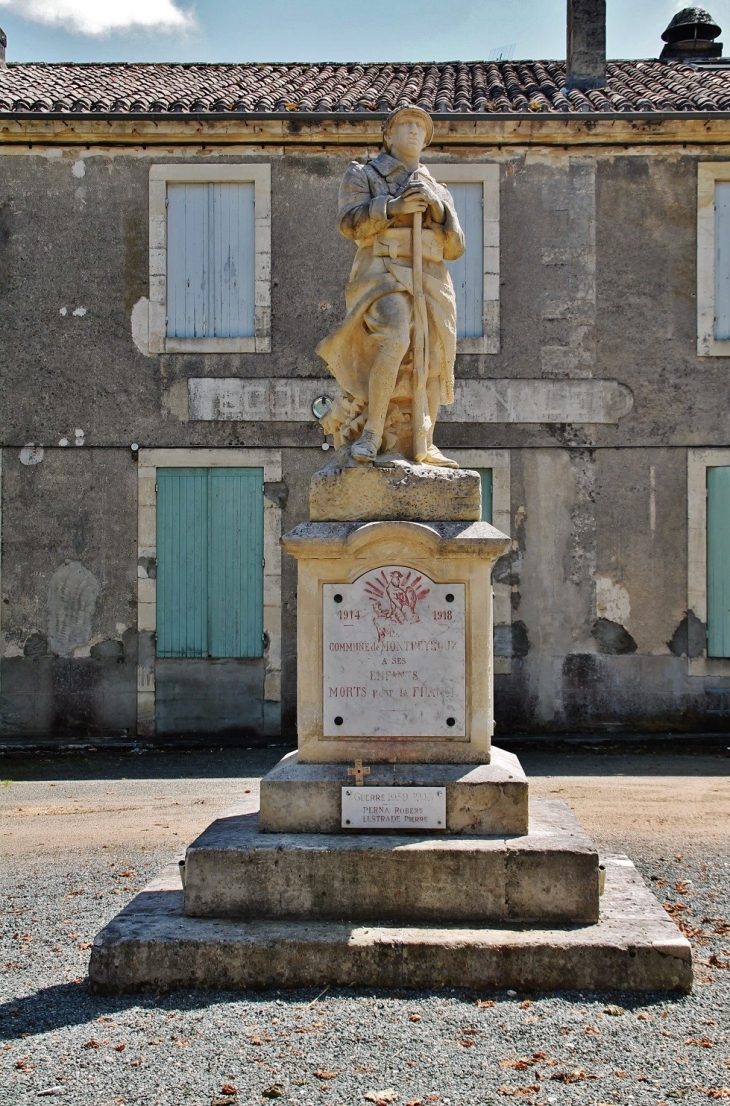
[439, 87]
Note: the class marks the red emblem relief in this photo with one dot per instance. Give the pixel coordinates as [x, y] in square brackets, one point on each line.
[394, 596]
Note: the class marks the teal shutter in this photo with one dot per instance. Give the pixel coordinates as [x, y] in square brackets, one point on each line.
[486, 475]
[718, 562]
[209, 562]
[210, 260]
[182, 562]
[722, 260]
[467, 273]
[236, 562]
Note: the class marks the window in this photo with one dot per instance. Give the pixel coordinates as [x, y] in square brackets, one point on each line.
[210, 259]
[486, 475]
[718, 561]
[475, 189]
[713, 259]
[210, 562]
[216, 596]
[708, 561]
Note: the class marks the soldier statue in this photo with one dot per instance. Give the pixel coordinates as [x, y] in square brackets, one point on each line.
[393, 356]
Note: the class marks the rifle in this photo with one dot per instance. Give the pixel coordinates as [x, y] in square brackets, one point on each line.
[421, 419]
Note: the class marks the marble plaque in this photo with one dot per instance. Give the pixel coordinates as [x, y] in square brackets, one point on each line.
[394, 656]
[372, 808]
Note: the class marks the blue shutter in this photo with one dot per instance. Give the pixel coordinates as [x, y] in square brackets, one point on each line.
[182, 562]
[210, 538]
[210, 260]
[486, 475]
[467, 273]
[722, 260]
[236, 562]
[718, 562]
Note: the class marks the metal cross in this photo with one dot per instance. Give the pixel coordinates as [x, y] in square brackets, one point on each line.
[359, 773]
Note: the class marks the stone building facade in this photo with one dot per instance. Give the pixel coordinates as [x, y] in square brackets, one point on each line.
[593, 385]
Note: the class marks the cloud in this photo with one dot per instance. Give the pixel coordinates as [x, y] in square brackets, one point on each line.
[99, 17]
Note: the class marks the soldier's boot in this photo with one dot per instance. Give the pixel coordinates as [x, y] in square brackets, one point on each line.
[383, 376]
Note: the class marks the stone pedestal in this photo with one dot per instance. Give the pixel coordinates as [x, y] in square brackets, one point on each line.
[395, 848]
[394, 641]
[481, 799]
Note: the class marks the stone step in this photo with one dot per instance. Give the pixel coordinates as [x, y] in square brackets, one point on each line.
[480, 799]
[152, 945]
[548, 875]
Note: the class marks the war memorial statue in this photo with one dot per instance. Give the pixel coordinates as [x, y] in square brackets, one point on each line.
[393, 356]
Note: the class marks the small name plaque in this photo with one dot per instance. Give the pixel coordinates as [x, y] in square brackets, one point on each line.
[403, 808]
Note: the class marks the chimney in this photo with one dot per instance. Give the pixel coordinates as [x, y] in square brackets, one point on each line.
[3, 44]
[691, 37]
[586, 44]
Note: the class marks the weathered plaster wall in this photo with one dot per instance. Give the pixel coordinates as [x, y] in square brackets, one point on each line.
[598, 280]
[69, 592]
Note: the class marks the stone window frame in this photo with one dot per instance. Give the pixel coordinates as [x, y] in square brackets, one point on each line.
[160, 175]
[489, 175]
[698, 462]
[498, 460]
[149, 460]
[708, 173]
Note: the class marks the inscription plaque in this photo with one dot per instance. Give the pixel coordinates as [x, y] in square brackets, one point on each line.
[393, 808]
[394, 656]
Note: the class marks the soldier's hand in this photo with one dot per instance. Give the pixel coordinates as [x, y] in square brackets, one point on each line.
[419, 189]
[407, 204]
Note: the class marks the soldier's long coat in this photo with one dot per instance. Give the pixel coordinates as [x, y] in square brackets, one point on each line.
[349, 351]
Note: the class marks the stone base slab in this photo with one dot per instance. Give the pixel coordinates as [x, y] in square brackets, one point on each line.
[550, 874]
[151, 945]
[486, 799]
[393, 489]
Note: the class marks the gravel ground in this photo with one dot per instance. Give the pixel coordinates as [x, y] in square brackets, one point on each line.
[344, 1047]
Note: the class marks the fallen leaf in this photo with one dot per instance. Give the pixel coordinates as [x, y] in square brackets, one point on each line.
[484, 1004]
[91, 1044]
[381, 1097]
[621, 1074]
[518, 1092]
[682, 887]
[525, 1005]
[517, 1064]
[119, 1048]
[414, 1102]
[718, 1092]
[414, 1018]
[466, 1042]
[229, 1088]
[86, 945]
[324, 1074]
[614, 1011]
[539, 1056]
[576, 1076]
[591, 1029]
[644, 1017]
[704, 1042]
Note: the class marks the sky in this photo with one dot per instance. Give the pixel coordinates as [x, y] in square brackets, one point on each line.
[321, 30]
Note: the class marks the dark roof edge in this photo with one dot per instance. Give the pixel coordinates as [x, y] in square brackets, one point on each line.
[358, 116]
